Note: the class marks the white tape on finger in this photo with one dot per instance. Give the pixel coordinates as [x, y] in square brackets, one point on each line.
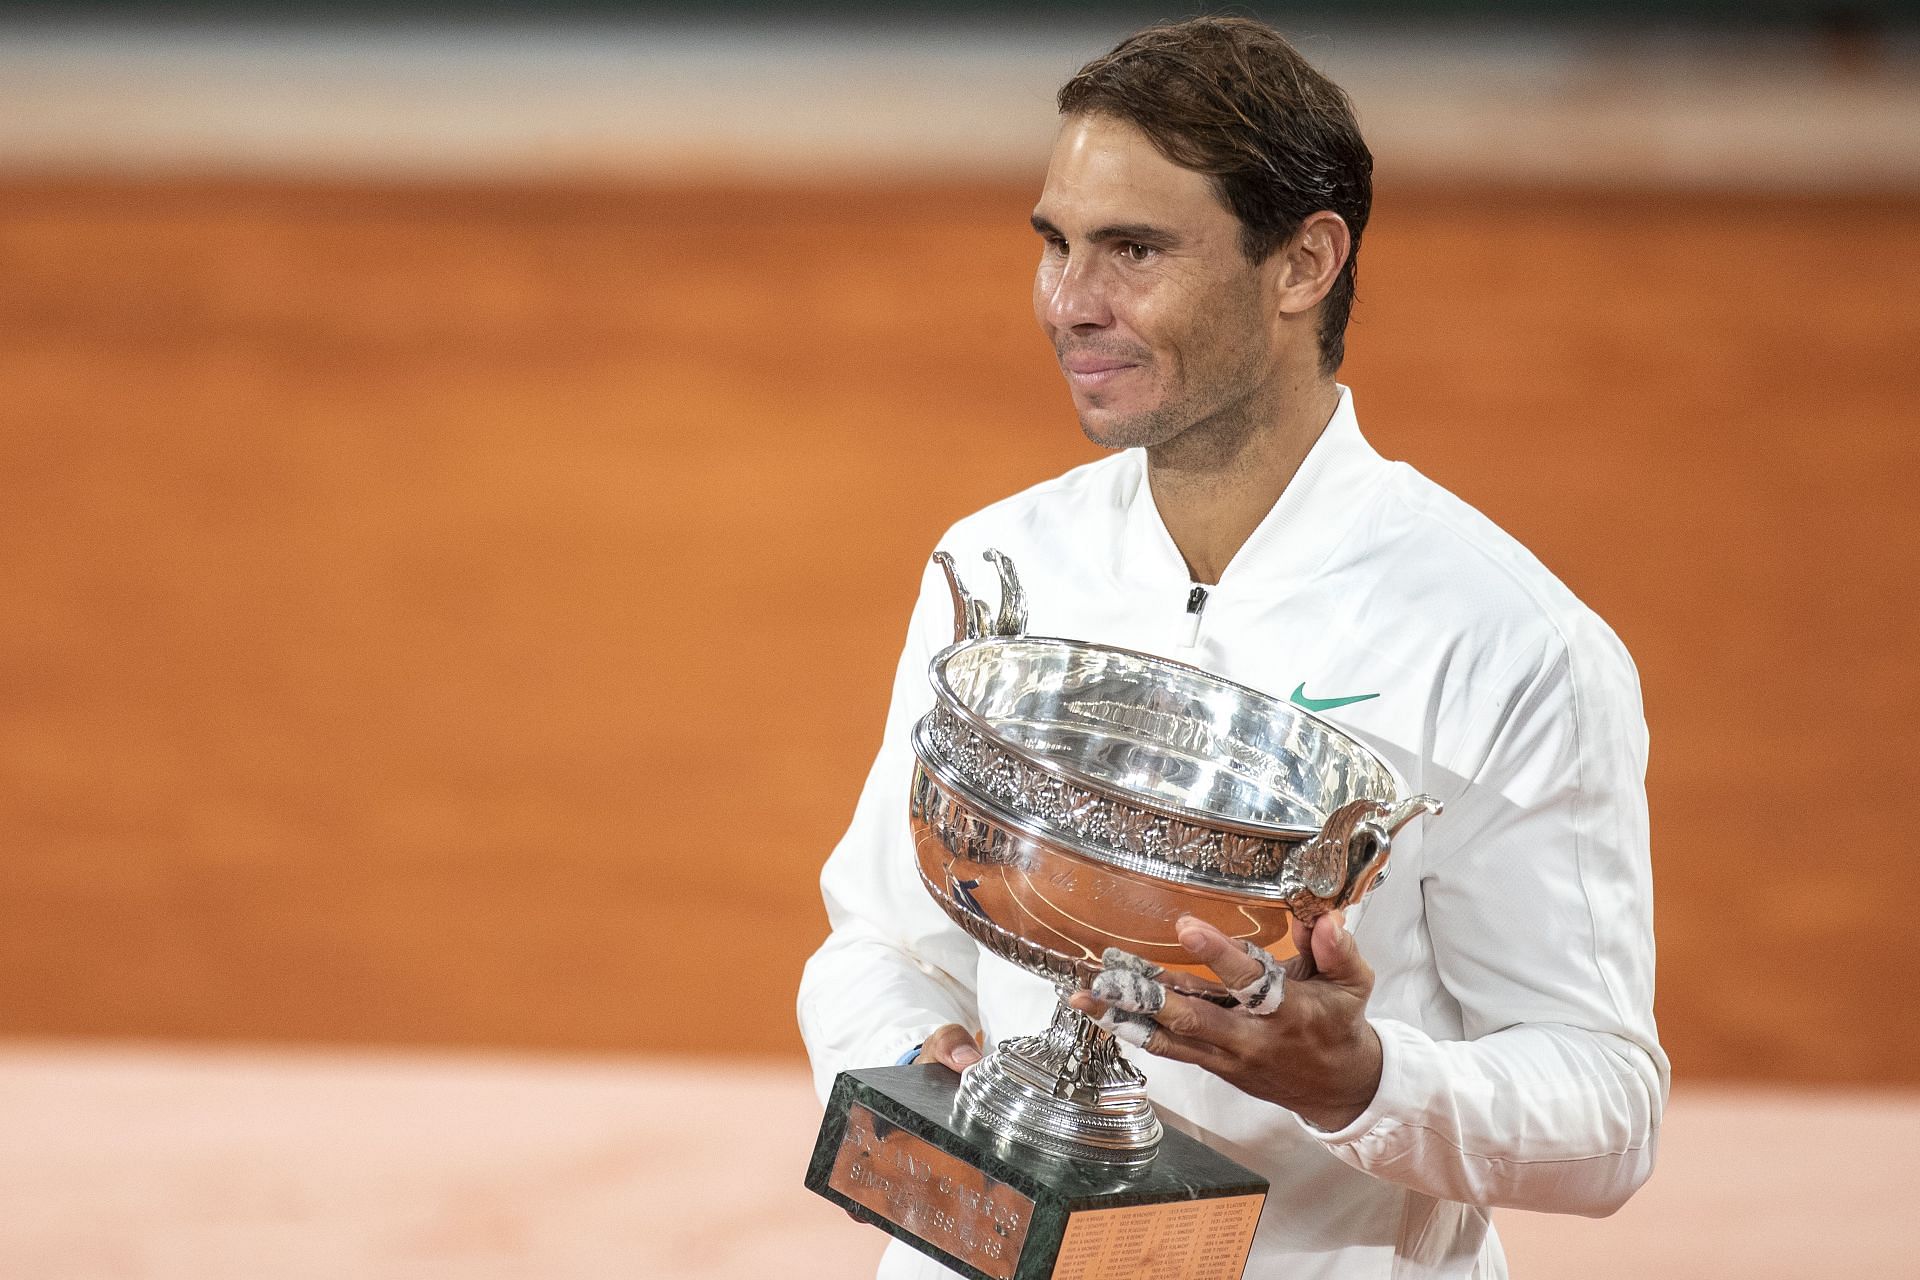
[1134, 1028]
[1264, 994]
[1133, 992]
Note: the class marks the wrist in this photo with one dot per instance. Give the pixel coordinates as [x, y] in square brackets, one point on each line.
[1357, 1084]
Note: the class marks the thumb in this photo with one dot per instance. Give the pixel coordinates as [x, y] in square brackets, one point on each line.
[1337, 956]
[951, 1045]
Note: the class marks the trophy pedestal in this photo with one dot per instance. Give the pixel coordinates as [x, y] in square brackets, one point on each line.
[894, 1151]
[1067, 1091]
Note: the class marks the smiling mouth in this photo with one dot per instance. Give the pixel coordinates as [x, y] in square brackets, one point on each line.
[1084, 371]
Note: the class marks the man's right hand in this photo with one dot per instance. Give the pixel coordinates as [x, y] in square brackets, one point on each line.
[952, 1045]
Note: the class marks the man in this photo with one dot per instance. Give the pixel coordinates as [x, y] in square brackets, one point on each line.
[1479, 1031]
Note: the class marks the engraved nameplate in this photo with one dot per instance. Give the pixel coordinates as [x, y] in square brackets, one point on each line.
[932, 1194]
[1184, 1240]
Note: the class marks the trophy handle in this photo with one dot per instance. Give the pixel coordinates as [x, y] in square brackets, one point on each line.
[1012, 620]
[1341, 865]
[969, 615]
[971, 618]
[1372, 841]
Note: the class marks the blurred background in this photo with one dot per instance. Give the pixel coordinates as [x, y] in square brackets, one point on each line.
[464, 469]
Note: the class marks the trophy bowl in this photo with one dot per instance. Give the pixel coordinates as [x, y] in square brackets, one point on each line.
[1070, 797]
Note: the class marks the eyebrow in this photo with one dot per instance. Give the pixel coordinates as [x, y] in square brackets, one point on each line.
[1132, 232]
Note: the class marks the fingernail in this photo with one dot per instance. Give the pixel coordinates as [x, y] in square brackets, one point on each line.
[966, 1055]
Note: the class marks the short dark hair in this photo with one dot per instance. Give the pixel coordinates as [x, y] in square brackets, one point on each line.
[1230, 98]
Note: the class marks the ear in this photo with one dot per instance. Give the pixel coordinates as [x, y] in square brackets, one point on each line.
[1302, 271]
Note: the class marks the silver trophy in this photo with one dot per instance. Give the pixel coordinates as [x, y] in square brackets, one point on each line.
[1071, 797]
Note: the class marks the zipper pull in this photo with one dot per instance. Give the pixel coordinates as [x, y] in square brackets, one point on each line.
[1196, 605]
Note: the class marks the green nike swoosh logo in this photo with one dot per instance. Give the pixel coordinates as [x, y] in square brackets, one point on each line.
[1300, 699]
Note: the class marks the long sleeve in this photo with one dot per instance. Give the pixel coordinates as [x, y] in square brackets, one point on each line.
[1537, 894]
[894, 967]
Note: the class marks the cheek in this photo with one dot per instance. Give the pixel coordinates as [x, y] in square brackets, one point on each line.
[1158, 322]
[1220, 337]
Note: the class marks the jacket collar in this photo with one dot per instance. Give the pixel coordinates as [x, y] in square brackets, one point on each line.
[1312, 516]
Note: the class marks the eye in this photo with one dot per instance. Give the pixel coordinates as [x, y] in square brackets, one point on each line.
[1136, 252]
[1057, 245]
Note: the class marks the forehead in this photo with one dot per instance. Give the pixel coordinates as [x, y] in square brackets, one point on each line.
[1104, 170]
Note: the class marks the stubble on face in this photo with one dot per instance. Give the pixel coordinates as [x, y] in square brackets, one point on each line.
[1190, 320]
[1207, 403]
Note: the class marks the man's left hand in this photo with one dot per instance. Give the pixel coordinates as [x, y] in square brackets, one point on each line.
[1314, 1054]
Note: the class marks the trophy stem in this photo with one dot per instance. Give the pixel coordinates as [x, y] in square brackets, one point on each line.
[1067, 1091]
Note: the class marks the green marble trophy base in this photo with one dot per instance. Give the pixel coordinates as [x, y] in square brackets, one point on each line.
[893, 1152]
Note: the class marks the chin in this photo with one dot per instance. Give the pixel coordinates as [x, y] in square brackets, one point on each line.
[1106, 438]
[1113, 430]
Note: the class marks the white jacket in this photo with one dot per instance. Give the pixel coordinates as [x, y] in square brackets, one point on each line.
[1512, 940]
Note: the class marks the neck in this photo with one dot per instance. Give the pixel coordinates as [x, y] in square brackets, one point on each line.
[1215, 482]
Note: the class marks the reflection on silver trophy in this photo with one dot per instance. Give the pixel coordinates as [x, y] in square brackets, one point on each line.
[1069, 798]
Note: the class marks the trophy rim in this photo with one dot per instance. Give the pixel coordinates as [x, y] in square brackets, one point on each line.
[1282, 831]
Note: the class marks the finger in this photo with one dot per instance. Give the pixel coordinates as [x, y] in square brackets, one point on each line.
[1164, 1043]
[1301, 931]
[1143, 1032]
[1193, 1018]
[1264, 993]
[1255, 979]
[1232, 961]
[1135, 1028]
[1130, 991]
[1122, 1024]
[1337, 956]
[952, 1045]
[1115, 958]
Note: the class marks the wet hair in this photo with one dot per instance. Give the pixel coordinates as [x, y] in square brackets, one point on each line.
[1230, 98]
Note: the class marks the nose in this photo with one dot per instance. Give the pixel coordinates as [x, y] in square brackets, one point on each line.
[1076, 297]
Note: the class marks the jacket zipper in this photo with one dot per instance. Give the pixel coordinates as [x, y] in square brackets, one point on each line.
[1196, 605]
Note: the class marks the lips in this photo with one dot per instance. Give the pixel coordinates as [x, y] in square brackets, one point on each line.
[1093, 364]
[1090, 372]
